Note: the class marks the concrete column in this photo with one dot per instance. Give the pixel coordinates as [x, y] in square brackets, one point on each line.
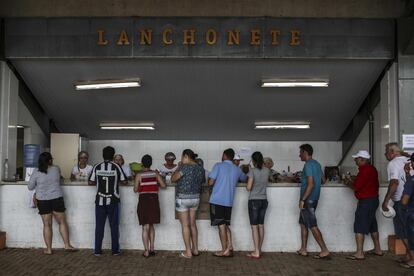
[9, 93]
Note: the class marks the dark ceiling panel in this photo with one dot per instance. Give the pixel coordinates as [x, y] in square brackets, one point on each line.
[201, 99]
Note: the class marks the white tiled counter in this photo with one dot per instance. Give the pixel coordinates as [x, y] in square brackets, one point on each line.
[335, 218]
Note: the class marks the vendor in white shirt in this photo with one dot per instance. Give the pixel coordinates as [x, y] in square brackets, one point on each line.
[168, 168]
[119, 159]
[81, 171]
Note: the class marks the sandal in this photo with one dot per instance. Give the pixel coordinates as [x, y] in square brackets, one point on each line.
[182, 255]
[146, 256]
[355, 258]
[319, 257]
[302, 254]
[408, 266]
[372, 252]
[250, 256]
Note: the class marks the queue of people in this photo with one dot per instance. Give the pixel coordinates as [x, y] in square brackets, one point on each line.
[189, 175]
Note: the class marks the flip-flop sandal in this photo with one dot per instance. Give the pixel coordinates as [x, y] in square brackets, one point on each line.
[250, 256]
[407, 266]
[302, 254]
[182, 255]
[196, 255]
[223, 256]
[71, 250]
[375, 253]
[352, 257]
[153, 253]
[146, 256]
[401, 261]
[319, 257]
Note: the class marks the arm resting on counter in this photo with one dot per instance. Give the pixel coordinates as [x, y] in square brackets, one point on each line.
[137, 182]
[161, 181]
[176, 176]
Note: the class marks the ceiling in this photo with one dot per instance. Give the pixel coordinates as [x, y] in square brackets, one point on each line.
[201, 99]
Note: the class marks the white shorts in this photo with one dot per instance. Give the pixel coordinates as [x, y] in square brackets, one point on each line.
[183, 205]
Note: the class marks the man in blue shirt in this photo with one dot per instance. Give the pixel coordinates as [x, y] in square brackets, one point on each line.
[408, 201]
[312, 178]
[224, 178]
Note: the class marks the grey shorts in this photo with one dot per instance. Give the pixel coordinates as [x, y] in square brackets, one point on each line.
[183, 205]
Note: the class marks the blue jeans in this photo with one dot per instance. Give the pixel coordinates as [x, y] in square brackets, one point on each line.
[101, 213]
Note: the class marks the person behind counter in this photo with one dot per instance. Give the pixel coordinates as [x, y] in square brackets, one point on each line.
[312, 178]
[46, 181]
[148, 209]
[366, 187]
[119, 159]
[168, 168]
[107, 176]
[189, 177]
[224, 178]
[258, 178]
[237, 159]
[268, 163]
[82, 170]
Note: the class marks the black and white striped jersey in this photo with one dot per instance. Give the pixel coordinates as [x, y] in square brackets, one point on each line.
[107, 176]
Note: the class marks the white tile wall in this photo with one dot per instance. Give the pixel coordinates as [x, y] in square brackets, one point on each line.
[284, 154]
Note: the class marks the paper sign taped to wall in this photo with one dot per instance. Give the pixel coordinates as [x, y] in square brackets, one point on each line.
[245, 152]
[408, 141]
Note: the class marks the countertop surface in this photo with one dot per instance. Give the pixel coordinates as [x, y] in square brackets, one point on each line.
[130, 183]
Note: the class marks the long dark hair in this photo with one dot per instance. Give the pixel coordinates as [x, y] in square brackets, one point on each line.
[257, 158]
[43, 161]
[193, 156]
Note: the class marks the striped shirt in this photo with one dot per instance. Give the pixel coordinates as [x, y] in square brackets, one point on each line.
[149, 183]
[107, 176]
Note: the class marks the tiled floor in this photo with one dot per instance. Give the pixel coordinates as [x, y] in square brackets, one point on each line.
[33, 262]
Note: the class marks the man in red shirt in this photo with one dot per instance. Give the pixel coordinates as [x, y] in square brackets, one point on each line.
[366, 187]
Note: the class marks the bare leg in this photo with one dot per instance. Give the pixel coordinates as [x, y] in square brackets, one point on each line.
[261, 235]
[359, 238]
[47, 232]
[319, 239]
[145, 239]
[63, 228]
[152, 237]
[185, 228]
[194, 232]
[256, 241]
[377, 246]
[229, 239]
[223, 238]
[304, 239]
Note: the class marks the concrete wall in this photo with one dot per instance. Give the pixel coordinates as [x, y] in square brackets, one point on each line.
[284, 154]
[282, 8]
[335, 215]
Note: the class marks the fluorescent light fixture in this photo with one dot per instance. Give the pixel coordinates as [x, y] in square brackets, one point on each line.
[386, 126]
[107, 84]
[18, 126]
[295, 83]
[133, 126]
[282, 125]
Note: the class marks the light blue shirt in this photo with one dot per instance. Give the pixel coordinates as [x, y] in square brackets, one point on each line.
[314, 169]
[226, 176]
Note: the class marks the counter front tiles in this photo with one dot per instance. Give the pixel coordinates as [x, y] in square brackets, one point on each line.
[335, 218]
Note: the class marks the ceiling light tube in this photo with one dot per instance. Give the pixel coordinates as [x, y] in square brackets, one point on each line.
[115, 126]
[108, 84]
[295, 83]
[283, 125]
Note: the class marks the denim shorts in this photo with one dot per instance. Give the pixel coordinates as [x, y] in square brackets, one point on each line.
[183, 205]
[365, 220]
[257, 211]
[410, 229]
[399, 220]
[307, 214]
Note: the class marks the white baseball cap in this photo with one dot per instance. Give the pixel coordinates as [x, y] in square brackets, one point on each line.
[362, 154]
[237, 157]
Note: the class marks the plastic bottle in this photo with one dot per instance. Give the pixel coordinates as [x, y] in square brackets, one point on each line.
[6, 169]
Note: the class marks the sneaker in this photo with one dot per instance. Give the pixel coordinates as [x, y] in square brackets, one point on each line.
[116, 253]
[97, 254]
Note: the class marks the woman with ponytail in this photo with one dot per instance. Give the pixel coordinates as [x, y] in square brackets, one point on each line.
[189, 177]
[258, 179]
[46, 181]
